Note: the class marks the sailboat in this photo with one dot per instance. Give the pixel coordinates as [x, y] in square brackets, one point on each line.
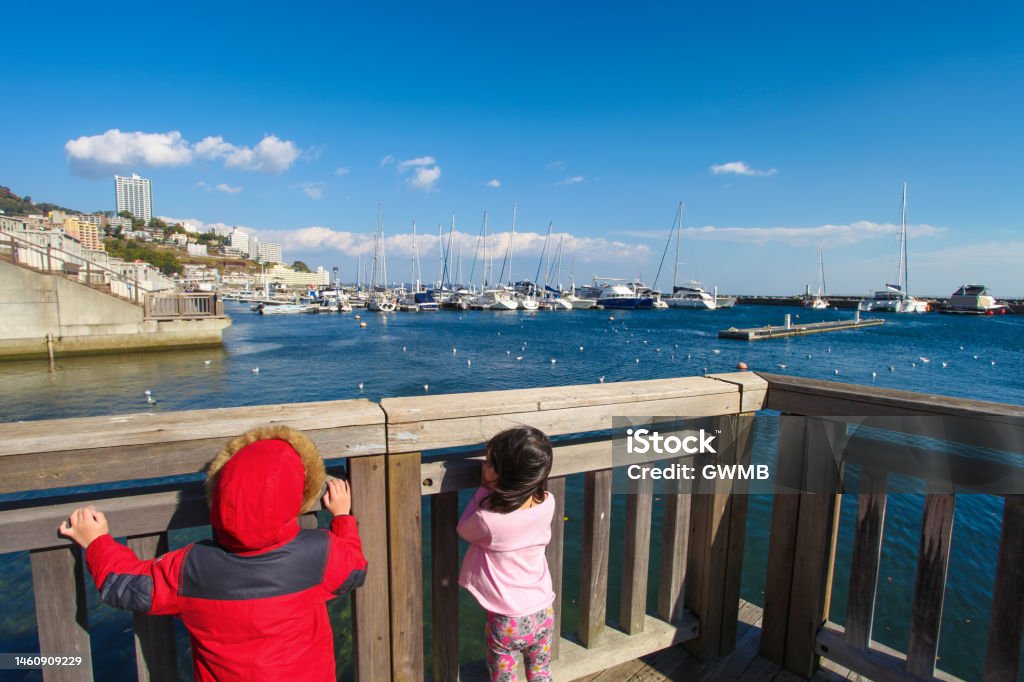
[896, 298]
[380, 299]
[818, 303]
[691, 294]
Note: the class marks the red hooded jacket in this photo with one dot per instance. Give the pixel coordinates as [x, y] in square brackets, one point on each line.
[254, 599]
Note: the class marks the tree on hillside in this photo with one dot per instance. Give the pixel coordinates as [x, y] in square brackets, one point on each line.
[299, 266]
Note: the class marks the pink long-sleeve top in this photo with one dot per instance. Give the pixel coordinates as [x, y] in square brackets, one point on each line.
[505, 567]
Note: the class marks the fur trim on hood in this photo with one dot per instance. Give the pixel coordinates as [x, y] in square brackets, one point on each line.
[316, 475]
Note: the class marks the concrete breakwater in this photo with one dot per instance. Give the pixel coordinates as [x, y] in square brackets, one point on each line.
[850, 302]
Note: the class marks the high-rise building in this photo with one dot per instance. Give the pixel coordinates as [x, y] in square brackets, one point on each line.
[269, 252]
[134, 195]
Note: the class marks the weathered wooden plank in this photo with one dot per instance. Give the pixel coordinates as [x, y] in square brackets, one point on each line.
[34, 527]
[447, 433]
[597, 516]
[406, 566]
[753, 389]
[156, 656]
[878, 662]
[737, 528]
[371, 627]
[83, 465]
[815, 526]
[488, 403]
[867, 552]
[555, 555]
[58, 582]
[930, 586]
[965, 473]
[675, 528]
[1002, 653]
[782, 542]
[444, 612]
[147, 428]
[636, 557]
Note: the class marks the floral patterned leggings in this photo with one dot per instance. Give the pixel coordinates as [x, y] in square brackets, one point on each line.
[529, 634]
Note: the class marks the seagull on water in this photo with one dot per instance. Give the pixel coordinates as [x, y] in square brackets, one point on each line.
[148, 392]
[255, 370]
[782, 366]
[600, 380]
[206, 362]
[360, 385]
[426, 387]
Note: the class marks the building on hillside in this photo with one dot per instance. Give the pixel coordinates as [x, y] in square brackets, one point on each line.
[87, 233]
[178, 239]
[237, 243]
[134, 195]
[291, 279]
[269, 252]
[200, 250]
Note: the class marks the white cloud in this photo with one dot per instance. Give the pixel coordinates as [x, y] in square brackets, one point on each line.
[555, 164]
[114, 150]
[271, 155]
[830, 235]
[418, 161]
[387, 160]
[740, 168]
[313, 190]
[574, 180]
[425, 178]
[494, 183]
[342, 171]
[227, 189]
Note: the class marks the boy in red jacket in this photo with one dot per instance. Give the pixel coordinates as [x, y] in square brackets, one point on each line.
[254, 599]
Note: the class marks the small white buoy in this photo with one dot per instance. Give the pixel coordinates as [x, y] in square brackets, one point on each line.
[657, 350]
[206, 362]
[362, 325]
[645, 342]
[993, 363]
[829, 350]
[518, 358]
[255, 370]
[836, 371]
[945, 364]
[961, 347]
[508, 352]
[426, 387]
[403, 349]
[808, 356]
[611, 318]
[782, 366]
[469, 363]
[581, 349]
[360, 385]
[873, 375]
[638, 361]
[913, 364]
[892, 368]
[600, 380]
[975, 357]
[148, 392]
[716, 351]
[357, 317]
[924, 359]
[553, 361]
[741, 365]
[454, 351]
[688, 356]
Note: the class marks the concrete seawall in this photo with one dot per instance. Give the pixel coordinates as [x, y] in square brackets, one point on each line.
[82, 320]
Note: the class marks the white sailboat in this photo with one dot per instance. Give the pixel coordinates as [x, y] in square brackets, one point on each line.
[380, 299]
[692, 295]
[818, 303]
[896, 298]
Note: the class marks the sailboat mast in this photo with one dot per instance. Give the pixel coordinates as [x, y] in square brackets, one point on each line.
[440, 258]
[903, 237]
[906, 262]
[675, 263]
[511, 277]
[415, 260]
[487, 263]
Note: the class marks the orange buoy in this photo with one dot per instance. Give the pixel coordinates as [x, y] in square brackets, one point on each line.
[742, 365]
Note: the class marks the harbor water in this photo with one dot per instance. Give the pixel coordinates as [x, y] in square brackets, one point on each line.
[306, 358]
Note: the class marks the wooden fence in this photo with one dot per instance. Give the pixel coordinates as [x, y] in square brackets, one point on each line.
[702, 534]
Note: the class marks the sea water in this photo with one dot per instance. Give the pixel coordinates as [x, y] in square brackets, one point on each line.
[329, 357]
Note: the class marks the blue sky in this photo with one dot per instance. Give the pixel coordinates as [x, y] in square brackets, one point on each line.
[296, 120]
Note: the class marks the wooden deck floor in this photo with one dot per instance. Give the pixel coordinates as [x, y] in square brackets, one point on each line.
[675, 663]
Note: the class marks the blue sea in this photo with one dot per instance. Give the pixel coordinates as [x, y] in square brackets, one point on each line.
[329, 357]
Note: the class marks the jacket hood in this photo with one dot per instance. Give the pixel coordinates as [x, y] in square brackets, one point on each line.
[259, 484]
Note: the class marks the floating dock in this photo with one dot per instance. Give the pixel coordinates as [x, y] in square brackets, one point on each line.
[789, 329]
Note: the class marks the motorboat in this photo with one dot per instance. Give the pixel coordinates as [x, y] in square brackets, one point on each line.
[974, 299]
[287, 309]
[613, 294]
[692, 296]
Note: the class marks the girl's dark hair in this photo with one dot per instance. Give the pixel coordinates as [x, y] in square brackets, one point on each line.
[521, 457]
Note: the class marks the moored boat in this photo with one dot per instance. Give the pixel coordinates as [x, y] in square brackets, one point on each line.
[974, 299]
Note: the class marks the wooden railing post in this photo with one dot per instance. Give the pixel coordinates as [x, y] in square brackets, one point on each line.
[801, 547]
[672, 572]
[405, 552]
[867, 553]
[156, 657]
[636, 556]
[1002, 652]
[597, 517]
[58, 582]
[715, 554]
[554, 552]
[444, 611]
[371, 631]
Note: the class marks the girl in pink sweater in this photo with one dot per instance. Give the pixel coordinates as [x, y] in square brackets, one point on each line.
[508, 526]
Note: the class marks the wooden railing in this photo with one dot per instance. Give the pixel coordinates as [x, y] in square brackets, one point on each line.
[801, 562]
[405, 451]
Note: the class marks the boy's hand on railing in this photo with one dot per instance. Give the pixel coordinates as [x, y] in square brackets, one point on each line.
[84, 525]
[338, 498]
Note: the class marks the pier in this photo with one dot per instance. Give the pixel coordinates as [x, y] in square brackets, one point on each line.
[790, 329]
[400, 460]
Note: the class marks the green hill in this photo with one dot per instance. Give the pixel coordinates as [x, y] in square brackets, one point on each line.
[12, 204]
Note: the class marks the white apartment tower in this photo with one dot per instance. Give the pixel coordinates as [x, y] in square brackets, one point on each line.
[135, 196]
